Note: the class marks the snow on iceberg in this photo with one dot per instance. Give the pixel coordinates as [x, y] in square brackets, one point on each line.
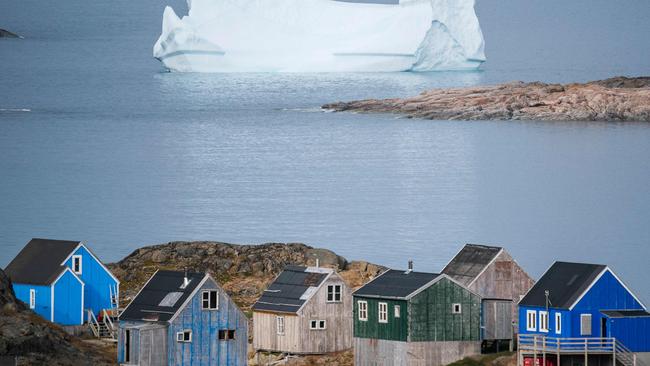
[321, 36]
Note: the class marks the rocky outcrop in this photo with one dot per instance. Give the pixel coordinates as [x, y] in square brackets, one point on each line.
[6, 34]
[615, 99]
[243, 270]
[35, 341]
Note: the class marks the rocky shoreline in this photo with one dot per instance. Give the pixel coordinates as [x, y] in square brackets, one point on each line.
[615, 99]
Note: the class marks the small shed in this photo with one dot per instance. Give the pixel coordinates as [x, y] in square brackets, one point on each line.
[415, 318]
[588, 304]
[62, 280]
[182, 318]
[492, 273]
[305, 310]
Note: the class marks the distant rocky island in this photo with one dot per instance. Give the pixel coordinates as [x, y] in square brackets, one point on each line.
[614, 99]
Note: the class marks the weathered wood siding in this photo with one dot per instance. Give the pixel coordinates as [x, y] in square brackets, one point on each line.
[148, 344]
[205, 347]
[503, 279]
[298, 337]
[379, 352]
[497, 322]
[396, 329]
[431, 317]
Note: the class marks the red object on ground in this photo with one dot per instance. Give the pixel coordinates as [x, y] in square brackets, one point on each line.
[528, 361]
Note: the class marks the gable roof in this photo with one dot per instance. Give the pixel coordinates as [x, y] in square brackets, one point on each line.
[396, 284]
[40, 261]
[291, 289]
[162, 296]
[565, 281]
[470, 262]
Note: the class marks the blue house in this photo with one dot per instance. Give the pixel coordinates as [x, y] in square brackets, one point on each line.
[182, 318]
[62, 280]
[586, 309]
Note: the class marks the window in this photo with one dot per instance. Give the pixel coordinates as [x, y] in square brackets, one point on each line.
[76, 264]
[317, 324]
[279, 325]
[543, 321]
[363, 310]
[210, 300]
[32, 298]
[383, 312]
[585, 324]
[397, 311]
[456, 309]
[531, 320]
[226, 334]
[558, 323]
[334, 293]
[184, 336]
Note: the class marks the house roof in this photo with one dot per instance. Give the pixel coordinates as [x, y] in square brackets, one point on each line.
[625, 313]
[470, 262]
[291, 289]
[40, 261]
[396, 284]
[162, 296]
[565, 281]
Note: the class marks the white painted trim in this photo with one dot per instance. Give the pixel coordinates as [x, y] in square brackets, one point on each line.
[397, 311]
[365, 303]
[81, 244]
[558, 321]
[485, 268]
[32, 296]
[334, 301]
[279, 331]
[52, 303]
[208, 291]
[83, 294]
[329, 275]
[533, 327]
[591, 330]
[139, 291]
[80, 258]
[453, 308]
[607, 269]
[627, 288]
[379, 312]
[189, 298]
[543, 313]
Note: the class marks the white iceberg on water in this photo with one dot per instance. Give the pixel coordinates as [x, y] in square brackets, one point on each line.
[321, 36]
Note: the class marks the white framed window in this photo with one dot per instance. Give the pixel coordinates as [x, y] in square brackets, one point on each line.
[531, 320]
[317, 324]
[279, 325]
[585, 324]
[210, 300]
[363, 310]
[543, 321]
[558, 323]
[32, 298]
[383, 312]
[456, 308]
[397, 312]
[334, 293]
[76, 264]
[184, 336]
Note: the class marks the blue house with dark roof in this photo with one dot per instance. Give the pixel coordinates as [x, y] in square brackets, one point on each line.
[587, 302]
[182, 318]
[62, 280]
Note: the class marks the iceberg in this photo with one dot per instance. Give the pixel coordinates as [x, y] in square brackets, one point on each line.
[321, 36]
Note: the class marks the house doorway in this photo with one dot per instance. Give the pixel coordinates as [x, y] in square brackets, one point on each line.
[603, 327]
[127, 345]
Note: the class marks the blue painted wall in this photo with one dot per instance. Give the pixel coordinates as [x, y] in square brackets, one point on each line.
[634, 333]
[43, 298]
[97, 281]
[135, 342]
[606, 294]
[68, 293]
[206, 348]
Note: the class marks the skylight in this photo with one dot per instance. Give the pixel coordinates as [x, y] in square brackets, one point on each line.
[170, 299]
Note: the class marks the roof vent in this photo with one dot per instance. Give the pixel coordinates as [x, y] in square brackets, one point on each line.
[186, 280]
[410, 267]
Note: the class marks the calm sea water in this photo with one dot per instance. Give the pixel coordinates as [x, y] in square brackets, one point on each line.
[97, 143]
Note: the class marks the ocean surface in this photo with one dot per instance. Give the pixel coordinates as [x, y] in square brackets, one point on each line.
[99, 143]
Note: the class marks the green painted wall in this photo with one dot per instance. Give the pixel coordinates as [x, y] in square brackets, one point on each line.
[395, 330]
[431, 317]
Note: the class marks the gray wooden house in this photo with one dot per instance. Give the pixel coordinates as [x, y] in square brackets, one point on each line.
[415, 319]
[492, 273]
[306, 310]
[181, 318]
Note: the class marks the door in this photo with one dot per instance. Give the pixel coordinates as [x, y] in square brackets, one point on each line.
[127, 345]
[603, 327]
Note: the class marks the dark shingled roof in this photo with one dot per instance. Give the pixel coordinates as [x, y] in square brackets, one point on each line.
[146, 305]
[285, 293]
[469, 262]
[625, 313]
[395, 284]
[565, 282]
[39, 262]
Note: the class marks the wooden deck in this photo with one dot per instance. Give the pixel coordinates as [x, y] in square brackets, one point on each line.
[539, 346]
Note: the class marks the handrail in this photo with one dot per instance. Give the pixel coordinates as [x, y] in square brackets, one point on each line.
[94, 324]
[539, 343]
[109, 323]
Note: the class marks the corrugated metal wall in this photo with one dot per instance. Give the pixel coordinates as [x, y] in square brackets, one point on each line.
[634, 333]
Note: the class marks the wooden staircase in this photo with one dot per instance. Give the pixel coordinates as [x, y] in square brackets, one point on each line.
[106, 329]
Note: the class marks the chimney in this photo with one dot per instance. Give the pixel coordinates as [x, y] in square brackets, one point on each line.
[317, 263]
[186, 280]
[410, 269]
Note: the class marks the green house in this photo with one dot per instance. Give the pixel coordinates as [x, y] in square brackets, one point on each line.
[415, 318]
